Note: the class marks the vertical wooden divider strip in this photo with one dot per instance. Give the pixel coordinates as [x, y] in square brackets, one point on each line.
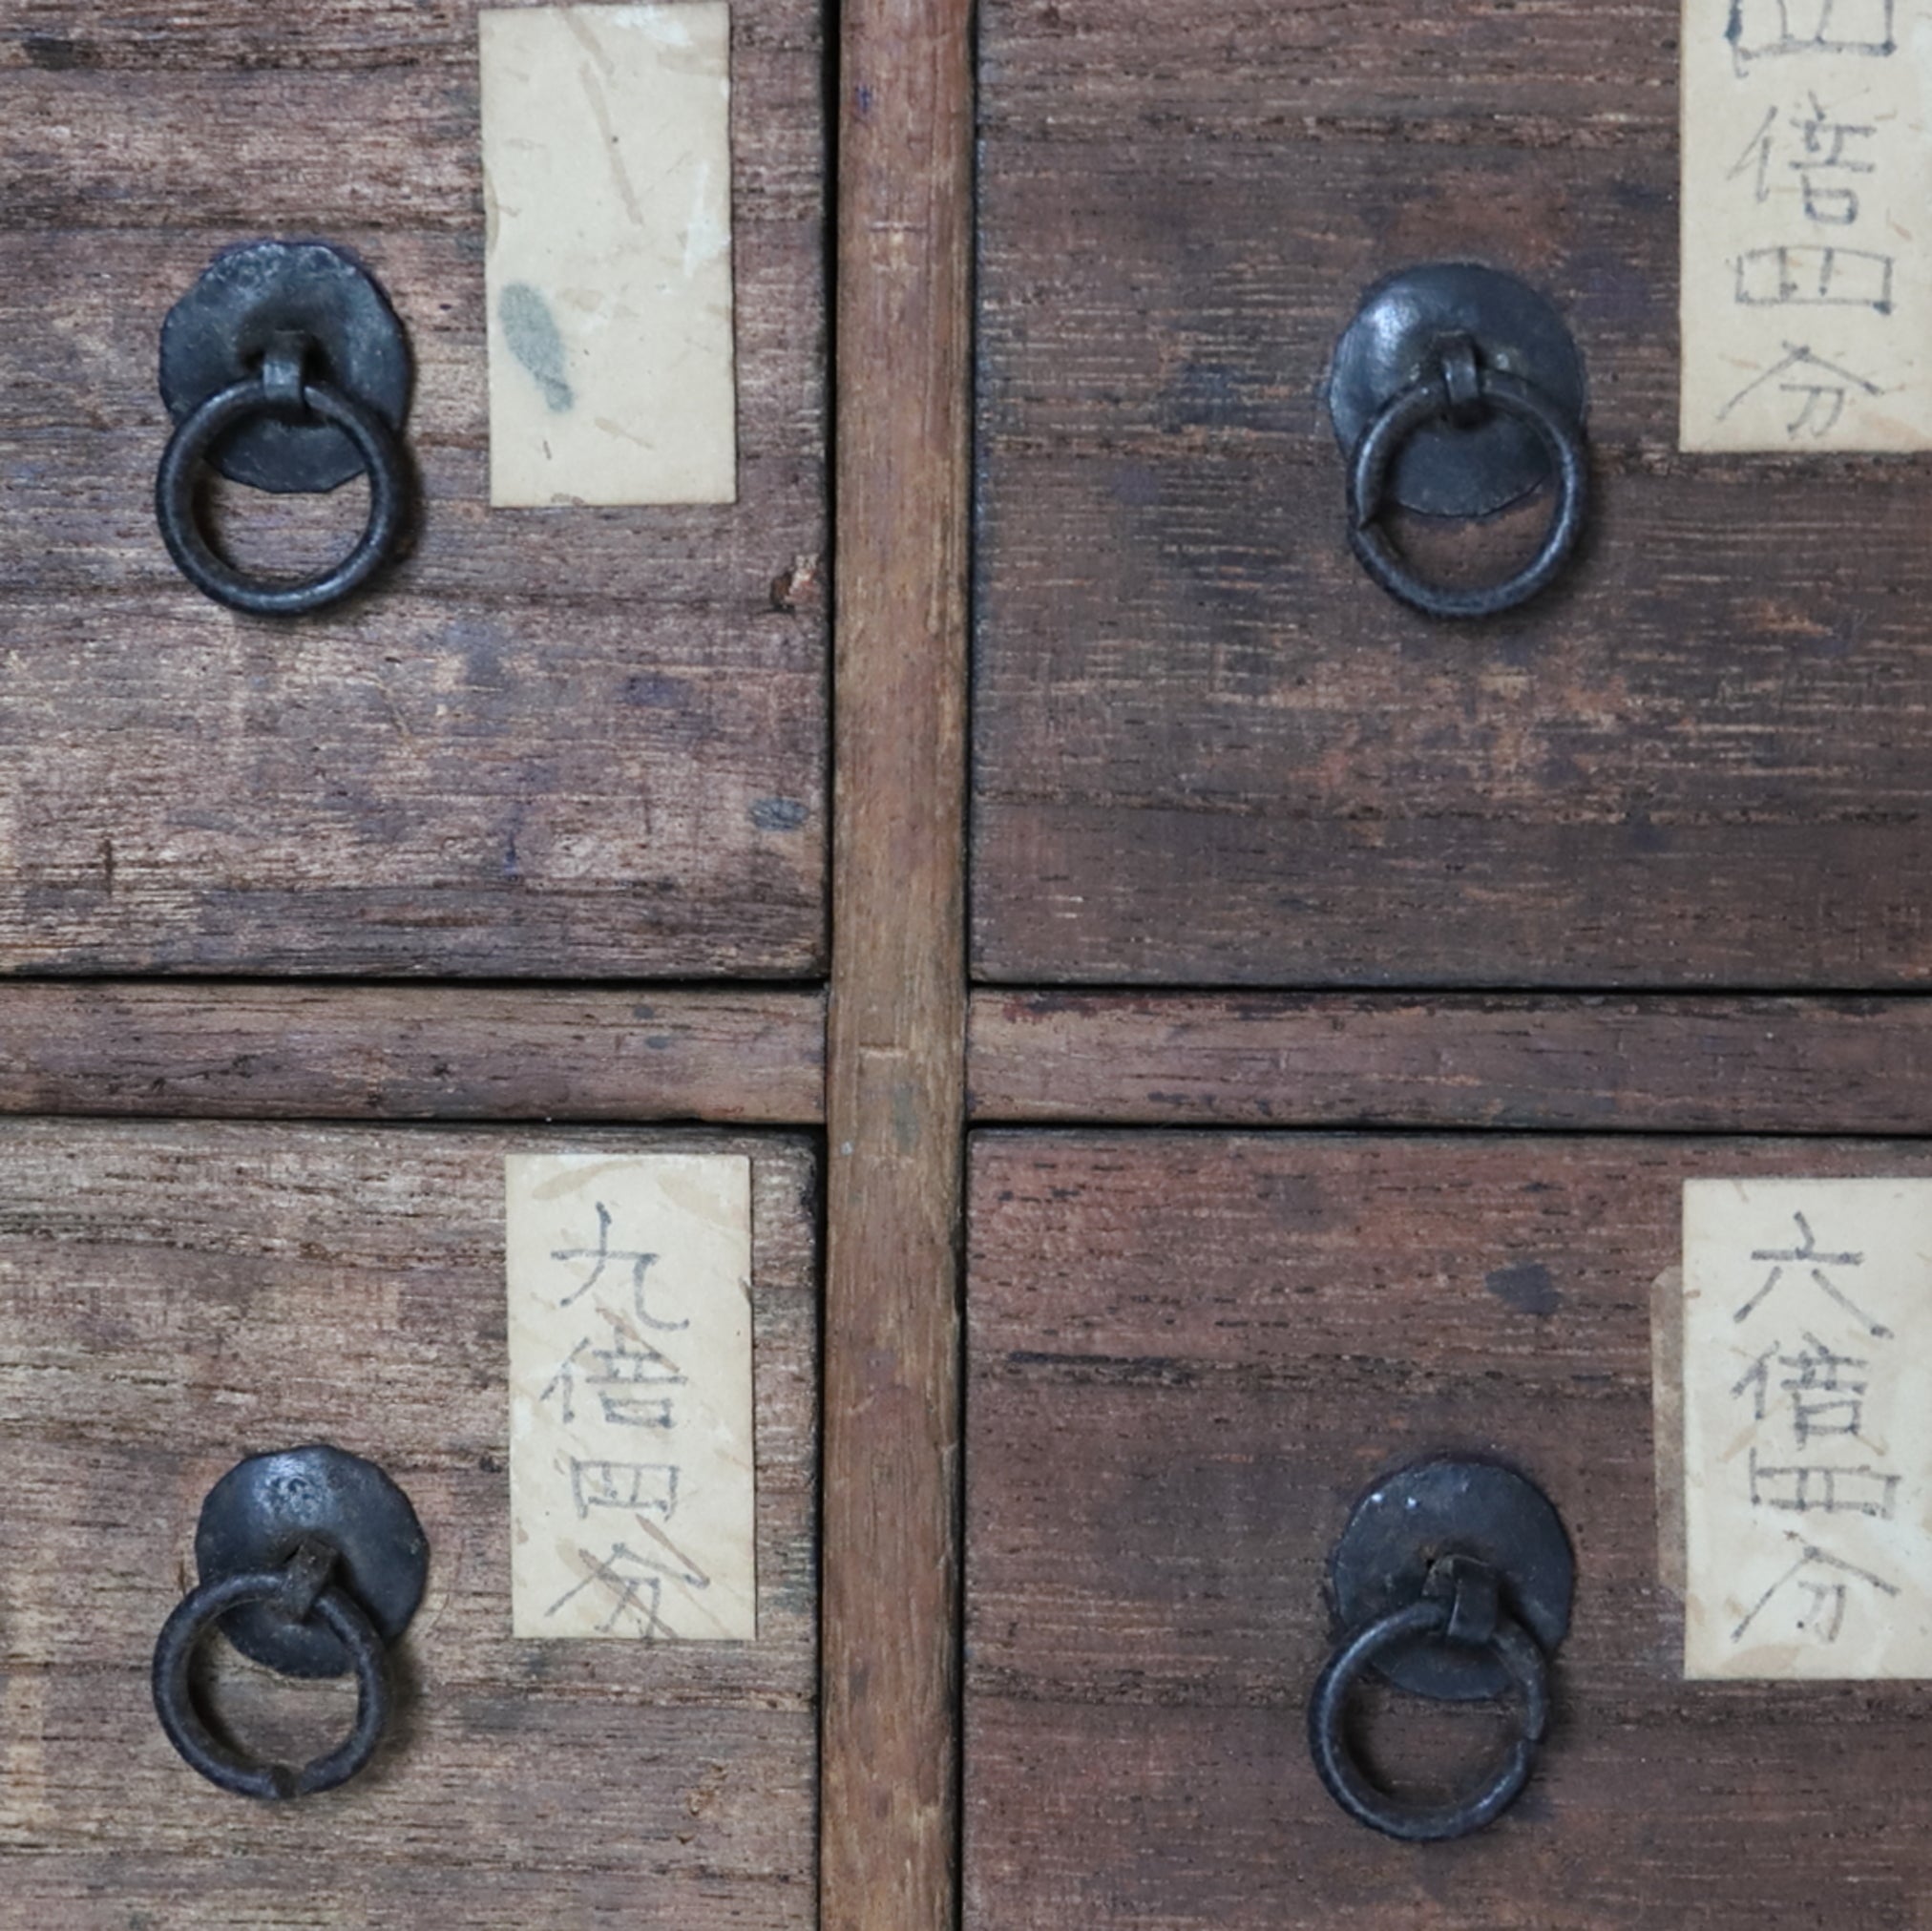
[895, 1098]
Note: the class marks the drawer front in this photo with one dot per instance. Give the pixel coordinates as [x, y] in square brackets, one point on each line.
[1191, 1354]
[586, 743]
[172, 1297]
[1209, 750]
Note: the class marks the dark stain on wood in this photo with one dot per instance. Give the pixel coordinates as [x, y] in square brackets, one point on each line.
[1526, 1287]
[55, 54]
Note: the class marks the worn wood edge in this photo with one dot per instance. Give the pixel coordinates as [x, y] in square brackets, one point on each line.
[1673, 1062]
[1666, 1422]
[222, 1050]
[895, 1092]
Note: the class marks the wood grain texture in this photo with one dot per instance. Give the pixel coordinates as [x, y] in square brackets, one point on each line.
[897, 1038]
[584, 743]
[216, 1049]
[1652, 1064]
[1534, 71]
[175, 1296]
[1189, 1356]
[1207, 750]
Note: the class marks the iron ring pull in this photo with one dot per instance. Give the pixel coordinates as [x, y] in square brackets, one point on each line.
[1463, 390]
[1449, 1618]
[304, 1590]
[279, 389]
[312, 1563]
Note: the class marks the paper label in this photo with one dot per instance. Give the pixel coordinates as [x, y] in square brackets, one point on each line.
[607, 191]
[632, 1498]
[1807, 171]
[1807, 1428]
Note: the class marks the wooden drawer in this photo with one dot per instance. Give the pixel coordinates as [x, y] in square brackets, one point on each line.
[1189, 1356]
[172, 1297]
[577, 743]
[1209, 750]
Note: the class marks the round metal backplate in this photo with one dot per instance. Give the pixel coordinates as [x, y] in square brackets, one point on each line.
[1409, 1522]
[218, 333]
[1392, 344]
[263, 1507]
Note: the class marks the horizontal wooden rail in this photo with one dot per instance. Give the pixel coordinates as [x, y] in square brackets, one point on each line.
[225, 1050]
[1676, 1064]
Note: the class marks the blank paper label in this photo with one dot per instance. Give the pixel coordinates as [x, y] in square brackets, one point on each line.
[607, 188]
[1807, 1428]
[633, 1499]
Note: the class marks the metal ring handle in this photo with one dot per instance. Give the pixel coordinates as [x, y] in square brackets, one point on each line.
[1349, 1784]
[239, 589]
[233, 1770]
[1381, 442]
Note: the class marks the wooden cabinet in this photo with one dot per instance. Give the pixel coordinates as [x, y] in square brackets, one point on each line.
[1343, 1000]
[1191, 1354]
[173, 1296]
[1207, 751]
[580, 743]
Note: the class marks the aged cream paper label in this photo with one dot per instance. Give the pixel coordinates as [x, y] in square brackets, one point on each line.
[1807, 1428]
[607, 194]
[632, 1492]
[1807, 224]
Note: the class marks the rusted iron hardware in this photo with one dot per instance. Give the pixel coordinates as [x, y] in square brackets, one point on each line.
[1452, 1582]
[1455, 391]
[285, 367]
[311, 1562]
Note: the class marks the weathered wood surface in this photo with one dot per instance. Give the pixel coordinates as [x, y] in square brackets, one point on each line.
[175, 1297]
[217, 1049]
[581, 742]
[1207, 750]
[1665, 1064]
[895, 1092]
[1189, 1355]
[1539, 75]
